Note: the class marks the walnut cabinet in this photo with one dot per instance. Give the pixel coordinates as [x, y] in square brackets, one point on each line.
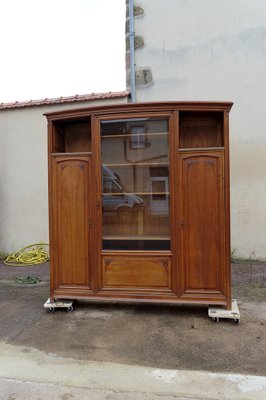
[139, 203]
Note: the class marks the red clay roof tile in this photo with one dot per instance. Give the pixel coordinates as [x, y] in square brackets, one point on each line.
[63, 100]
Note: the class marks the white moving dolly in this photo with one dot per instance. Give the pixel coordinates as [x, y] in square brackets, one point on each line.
[51, 306]
[217, 312]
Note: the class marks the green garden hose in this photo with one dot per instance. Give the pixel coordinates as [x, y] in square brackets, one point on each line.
[24, 257]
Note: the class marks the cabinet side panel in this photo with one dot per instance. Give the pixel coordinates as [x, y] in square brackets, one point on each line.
[70, 219]
[203, 228]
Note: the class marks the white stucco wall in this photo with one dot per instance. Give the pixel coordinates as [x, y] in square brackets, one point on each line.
[216, 50]
[24, 175]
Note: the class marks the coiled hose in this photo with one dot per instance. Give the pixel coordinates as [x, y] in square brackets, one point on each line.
[24, 257]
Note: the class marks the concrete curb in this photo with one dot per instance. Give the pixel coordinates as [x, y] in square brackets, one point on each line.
[27, 364]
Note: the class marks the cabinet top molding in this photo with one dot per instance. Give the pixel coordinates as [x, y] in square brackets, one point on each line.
[165, 106]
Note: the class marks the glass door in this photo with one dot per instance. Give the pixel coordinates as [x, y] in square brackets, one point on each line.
[135, 184]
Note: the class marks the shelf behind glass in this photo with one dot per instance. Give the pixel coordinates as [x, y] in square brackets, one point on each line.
[138, 164]
[129, 135]
[136, 243]
[135, 237]
[138, 193]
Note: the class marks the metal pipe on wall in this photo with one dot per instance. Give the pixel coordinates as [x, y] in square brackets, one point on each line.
[132, 51]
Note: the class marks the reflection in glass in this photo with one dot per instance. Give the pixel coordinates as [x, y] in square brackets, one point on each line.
[135, 184]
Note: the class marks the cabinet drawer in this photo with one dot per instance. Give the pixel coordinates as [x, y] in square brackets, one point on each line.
[138, 271]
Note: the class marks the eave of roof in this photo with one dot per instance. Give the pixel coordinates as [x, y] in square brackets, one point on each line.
[64, 100]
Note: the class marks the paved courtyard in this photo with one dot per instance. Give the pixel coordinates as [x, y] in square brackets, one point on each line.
[180, 338]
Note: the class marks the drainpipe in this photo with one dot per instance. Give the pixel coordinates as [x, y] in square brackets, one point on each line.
[132, 51]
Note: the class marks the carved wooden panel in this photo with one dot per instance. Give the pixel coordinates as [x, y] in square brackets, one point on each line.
[202, 216]
[130, 271]
[71, 178]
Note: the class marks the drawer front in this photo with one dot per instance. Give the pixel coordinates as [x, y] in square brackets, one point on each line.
[136, 272]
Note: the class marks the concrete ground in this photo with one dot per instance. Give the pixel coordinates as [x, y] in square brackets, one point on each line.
[175, 341]
[37, 375]
[14, 390]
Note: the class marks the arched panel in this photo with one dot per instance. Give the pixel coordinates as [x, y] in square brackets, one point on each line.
[202, 216]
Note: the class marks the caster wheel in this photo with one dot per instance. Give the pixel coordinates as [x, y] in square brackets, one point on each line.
[216, 320]
[237, 321]
[70, 309]
[51, 310]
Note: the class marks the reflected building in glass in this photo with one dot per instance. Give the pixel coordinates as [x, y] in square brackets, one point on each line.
[135, 184]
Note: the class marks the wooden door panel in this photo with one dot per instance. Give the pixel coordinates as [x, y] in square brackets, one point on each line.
[202, 222]
[71, 177]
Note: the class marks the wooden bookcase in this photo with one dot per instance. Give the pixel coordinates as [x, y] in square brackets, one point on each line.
[139, 203]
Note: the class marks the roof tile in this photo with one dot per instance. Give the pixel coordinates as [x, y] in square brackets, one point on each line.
[63, 100]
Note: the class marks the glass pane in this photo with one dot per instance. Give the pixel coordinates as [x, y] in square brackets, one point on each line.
[135, 184]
